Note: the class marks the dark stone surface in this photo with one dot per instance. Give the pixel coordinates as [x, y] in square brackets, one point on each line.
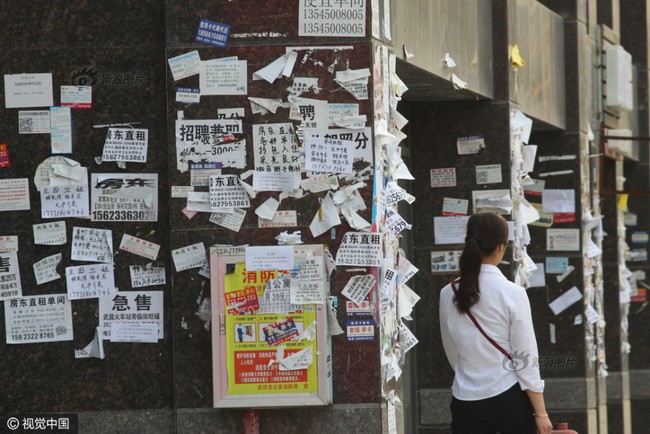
[47, 377]
[359, 419]
[81, 24]
[569, 345]
[434, 129]
[119, 48]
[640, 407]
[633, 31]
[128, 422]
[247, 18]
[356, 373]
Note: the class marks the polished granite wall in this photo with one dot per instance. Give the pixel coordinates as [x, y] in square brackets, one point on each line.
[121, 49]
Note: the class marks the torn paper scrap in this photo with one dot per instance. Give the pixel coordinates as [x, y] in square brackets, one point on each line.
[94, 349]
[355, 82]
[448, 62]
[565, 300]
[402, 172]
[45, 172]
[358, 287]
[45, 269]
[592, 315]
[199, 201]
[333, 326]
[299, 360]
[408, 54]
[515, 58]
[351, 122]
[528, 154]
[564, 275]
[309, 334]
[344, 195]
[330, 264]
[492, 200]
[192, 256]
[286, 238]
[457, 82]
[407, 339]
[282, 66]
[406, 301]
[394, 222]
[265, 105]
[352, 75]
[301, 85]
[521, 125]
[267, 209]
[232, 221]
[354, 220]
[592, 249]
[406, 269]
[327, 216]
[320, 183]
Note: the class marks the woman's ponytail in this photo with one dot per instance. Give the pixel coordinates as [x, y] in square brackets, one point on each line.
[470, 267]
[485, 232]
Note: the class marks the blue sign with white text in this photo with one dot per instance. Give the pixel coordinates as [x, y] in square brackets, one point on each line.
[213, 33]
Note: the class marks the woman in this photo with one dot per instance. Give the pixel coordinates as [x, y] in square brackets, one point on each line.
[497, 387]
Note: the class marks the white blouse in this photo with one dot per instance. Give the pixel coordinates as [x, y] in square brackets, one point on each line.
[503, 311]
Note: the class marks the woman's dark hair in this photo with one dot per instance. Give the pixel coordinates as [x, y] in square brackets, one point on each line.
[485, 232]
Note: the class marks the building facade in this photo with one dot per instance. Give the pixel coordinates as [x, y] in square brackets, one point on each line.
[461, 105]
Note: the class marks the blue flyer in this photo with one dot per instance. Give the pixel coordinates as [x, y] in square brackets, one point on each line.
[213, 33]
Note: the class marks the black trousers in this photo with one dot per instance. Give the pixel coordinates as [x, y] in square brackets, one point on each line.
[507, 413]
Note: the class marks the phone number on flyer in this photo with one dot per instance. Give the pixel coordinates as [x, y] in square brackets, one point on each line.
[229, 204]
[131, 216]
[333, 29]
[32, 336]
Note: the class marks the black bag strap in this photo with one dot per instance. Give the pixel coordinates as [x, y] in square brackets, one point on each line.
[478, 326]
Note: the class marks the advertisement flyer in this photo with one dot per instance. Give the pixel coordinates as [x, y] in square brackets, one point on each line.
[124, 197]
[38, 318]
[253, 340]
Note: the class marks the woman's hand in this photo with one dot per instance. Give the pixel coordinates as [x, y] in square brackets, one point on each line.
[544, 425]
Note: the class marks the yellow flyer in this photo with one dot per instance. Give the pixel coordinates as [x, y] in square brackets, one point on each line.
[254, 338]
